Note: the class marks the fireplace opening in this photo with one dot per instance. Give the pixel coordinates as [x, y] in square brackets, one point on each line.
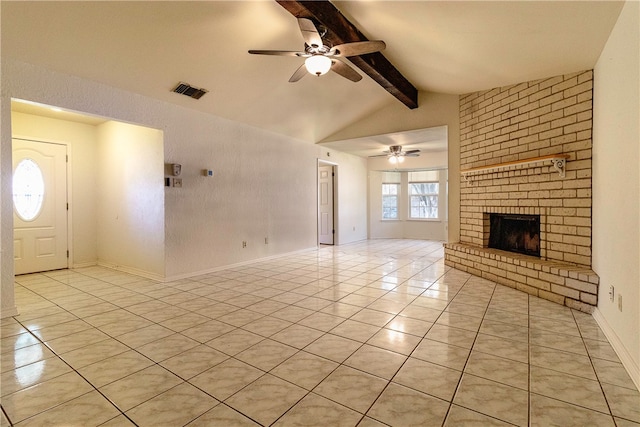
[515, 233]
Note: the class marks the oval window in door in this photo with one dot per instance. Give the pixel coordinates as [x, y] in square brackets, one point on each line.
[28, 189]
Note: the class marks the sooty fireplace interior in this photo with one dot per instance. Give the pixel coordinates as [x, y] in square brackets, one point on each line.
[515, 233]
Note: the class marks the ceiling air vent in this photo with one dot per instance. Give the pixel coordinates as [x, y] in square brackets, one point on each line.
[190, 91]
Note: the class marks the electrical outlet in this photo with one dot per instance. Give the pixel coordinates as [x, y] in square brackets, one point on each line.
[620, 302]
[612, 293]
[244, 244]
[177, 182]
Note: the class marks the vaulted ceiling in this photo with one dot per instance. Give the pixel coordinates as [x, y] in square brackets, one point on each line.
[451, 47]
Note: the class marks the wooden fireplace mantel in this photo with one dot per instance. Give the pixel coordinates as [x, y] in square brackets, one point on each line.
[558, 160]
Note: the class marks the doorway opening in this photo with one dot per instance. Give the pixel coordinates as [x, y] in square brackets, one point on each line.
[111, 195]
[326, 203]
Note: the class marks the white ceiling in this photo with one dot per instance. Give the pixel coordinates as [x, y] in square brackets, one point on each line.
[450, 47]
[425, 140]
[36, 109]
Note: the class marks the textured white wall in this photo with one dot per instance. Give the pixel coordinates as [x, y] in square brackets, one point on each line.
[264, 183]
[616, 185]
[81, 147]
[7, 298]
[130, 201]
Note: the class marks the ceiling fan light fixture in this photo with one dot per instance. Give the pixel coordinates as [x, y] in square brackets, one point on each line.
[318, 64]
[396, 158]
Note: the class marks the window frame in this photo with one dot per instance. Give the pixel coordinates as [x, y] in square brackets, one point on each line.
[387, 196]
[410, 196]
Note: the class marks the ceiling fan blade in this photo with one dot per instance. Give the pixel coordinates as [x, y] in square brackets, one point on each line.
[300, 73]
[277, 52]
[411, 152]
[309, 32]
[359, 48]
[346, 71]
[412, 155]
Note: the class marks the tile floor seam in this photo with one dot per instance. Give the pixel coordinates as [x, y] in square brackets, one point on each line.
[572, 404]
[308, 392]
[374, 280]
[81, 376]
[98, 390]
[604, 394]
[362, 345]
[455, 392]
[153, 397]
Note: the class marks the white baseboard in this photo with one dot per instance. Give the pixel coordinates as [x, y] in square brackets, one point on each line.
[132, 270]
[8, 312]
[160, 278]
[238, 264]
[625, 357]
[84, 264]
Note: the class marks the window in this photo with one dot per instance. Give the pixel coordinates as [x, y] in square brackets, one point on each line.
[390, 201]
[423, 195]
[28, 189]
[390, 194]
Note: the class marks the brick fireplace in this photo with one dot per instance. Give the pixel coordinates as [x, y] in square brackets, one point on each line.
[526, 150]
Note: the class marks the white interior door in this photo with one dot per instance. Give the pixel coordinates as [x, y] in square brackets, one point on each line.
[39, 206]
[325, 205]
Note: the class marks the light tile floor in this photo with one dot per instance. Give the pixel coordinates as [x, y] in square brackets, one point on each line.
[370, 334]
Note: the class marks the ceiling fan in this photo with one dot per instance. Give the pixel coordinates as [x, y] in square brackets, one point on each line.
[396, 155]
[320, 57]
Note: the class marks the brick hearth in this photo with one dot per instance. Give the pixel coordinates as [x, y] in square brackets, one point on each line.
[516, 123]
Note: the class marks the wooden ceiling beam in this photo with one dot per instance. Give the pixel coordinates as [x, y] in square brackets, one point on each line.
[340, 30]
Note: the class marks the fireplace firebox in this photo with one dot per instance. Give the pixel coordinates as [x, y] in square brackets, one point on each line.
[515, 233]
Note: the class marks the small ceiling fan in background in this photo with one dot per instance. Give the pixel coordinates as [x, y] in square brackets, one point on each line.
[320, 58]
[396, 155]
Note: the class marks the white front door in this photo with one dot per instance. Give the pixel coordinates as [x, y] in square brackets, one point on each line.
[39, 206]
[325, 205]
